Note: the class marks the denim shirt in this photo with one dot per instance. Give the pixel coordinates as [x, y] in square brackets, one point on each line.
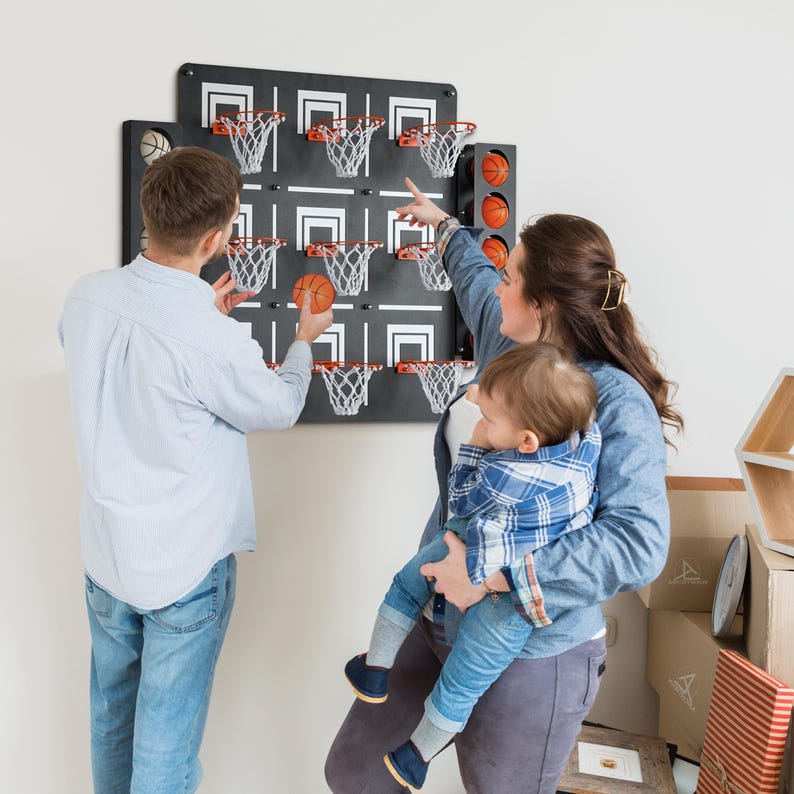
[626, 546]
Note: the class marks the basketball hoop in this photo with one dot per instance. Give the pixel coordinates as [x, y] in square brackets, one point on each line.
[440, 379]
[248, 132]
[346, 140]
[345, 261]
[439, 144]
[346, 383]
[431, 268]
[250, 259]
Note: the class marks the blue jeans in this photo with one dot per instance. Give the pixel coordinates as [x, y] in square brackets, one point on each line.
[490, 637]
[151, 677]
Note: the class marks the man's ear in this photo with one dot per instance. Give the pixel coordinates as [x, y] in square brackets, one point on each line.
[210, 241]
[529, 442]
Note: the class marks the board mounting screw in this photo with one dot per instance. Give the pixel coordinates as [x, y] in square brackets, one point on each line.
[450, 92]
[188, 73]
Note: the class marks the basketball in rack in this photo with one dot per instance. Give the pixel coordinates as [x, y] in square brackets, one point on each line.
[431, 268]
[345, 261]
[439, 144]
[250, 259]
[248, 131]
[440, 379]
[346, 382]
[346, 140]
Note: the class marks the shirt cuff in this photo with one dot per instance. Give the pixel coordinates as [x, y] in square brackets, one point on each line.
[471, 455]
[525, 591]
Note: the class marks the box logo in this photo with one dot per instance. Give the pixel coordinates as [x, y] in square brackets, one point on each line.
[686, 684]
[687, 571]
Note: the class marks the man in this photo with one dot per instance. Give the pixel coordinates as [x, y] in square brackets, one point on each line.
[164, 387]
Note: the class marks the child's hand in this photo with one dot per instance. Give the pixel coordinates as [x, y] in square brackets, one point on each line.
[479, 436]
[473, 393]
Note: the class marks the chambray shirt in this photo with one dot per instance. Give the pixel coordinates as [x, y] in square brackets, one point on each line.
[520, 501]
[625, 546]
[164, 388]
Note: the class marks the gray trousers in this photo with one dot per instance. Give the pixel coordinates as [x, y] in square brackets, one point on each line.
[517, 741]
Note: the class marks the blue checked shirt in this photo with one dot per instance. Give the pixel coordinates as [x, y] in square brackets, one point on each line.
[518, 502]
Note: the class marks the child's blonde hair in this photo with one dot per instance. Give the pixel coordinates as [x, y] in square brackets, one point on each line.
[543, 389]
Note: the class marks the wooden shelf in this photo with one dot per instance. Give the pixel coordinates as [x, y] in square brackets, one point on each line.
[767, 464]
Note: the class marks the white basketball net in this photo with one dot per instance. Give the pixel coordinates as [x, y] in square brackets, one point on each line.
[249, 132]
[347, 385]
[346, 263]
[431, 267]
[440, 381]
[250, 261]
[441, 149]
[347, 147]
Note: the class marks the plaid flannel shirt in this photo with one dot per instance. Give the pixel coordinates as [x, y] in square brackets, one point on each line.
[518, 502]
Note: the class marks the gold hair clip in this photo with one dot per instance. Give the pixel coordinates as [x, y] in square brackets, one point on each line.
[622, 290]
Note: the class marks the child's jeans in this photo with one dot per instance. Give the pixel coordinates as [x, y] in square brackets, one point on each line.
[491, 635]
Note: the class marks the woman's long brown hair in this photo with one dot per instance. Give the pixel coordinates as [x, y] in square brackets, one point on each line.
[569, 269]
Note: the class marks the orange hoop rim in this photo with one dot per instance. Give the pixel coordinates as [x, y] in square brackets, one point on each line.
[315, 132]
[404, 252]
[250, 242]
[372, 121]
[316, 249]
[319, 366]
[410, 135]
[219, 127]
[407, 367]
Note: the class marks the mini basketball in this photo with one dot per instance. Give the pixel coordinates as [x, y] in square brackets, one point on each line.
[496, 250]
[495, 169]
[495, 211]
[319, 287]
[154, 144]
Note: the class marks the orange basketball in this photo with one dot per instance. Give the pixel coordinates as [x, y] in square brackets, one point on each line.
[495, 169]
[496, 250]
[494, 210]
[319, 287]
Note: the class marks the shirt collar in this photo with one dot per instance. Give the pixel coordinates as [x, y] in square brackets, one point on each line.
[171, 276]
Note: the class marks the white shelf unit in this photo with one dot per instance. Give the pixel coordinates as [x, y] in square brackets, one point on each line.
[766, 461]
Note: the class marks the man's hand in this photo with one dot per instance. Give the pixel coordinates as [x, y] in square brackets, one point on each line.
[310, 326]
[224, 300]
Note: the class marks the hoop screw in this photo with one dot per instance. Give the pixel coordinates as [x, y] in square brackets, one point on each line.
[276, 186]
[277, 305]
[366, 305]
[367, 191]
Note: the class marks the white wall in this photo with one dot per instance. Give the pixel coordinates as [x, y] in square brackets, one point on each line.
[669, 123]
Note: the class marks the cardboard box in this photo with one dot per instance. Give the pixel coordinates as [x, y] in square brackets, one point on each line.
[682, 661]
[675, 731]
[705, 514]
[769, 605]
[746, 729]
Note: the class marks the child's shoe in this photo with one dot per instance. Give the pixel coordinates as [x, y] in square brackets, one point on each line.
[406, 765]
[369, 683]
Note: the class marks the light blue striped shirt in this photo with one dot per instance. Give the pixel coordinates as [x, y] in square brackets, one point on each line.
[164, 388]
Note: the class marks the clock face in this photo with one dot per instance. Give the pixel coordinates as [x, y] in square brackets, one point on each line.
[729, 586]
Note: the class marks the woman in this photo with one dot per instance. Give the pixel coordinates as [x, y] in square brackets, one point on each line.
[560, 284]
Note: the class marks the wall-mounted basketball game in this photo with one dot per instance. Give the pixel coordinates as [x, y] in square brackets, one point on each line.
[323, 160]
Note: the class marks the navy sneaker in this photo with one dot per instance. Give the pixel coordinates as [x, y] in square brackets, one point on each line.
[406, 765]
[369, 683]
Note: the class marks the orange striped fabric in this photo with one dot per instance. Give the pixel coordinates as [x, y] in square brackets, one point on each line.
[746, 729]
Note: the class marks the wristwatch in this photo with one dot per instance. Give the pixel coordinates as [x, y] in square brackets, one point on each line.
[447, 220]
